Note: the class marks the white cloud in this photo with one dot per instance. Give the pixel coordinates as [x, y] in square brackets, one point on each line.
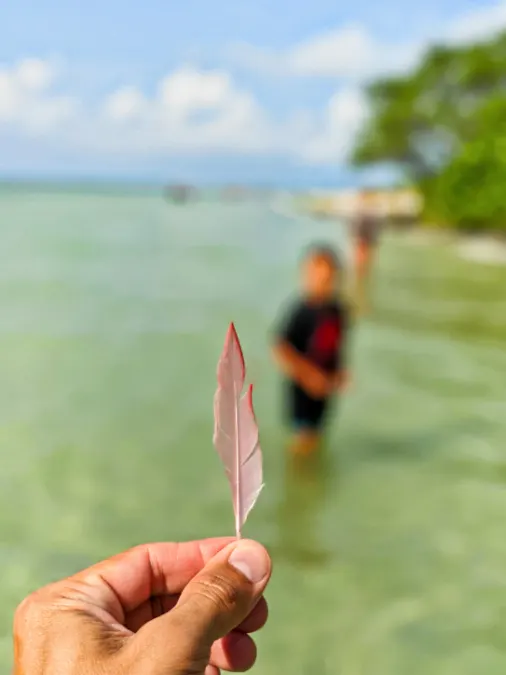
[341, 52]
[201, 112]
[26, 99]
[478, 24]
[347, 52]
[125, 104]
[345, 113]
[33, 74]
[192, 110]
[188, 89]
[195, 111]
[351, 52]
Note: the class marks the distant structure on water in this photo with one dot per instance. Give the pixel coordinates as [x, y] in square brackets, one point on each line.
[179, 194]
[401, 206]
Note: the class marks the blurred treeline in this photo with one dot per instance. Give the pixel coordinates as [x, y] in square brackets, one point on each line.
[444, 125]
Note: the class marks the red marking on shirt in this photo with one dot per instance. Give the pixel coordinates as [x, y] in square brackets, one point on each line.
[326, 339]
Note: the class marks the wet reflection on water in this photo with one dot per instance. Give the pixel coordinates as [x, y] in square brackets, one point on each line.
[306, 486]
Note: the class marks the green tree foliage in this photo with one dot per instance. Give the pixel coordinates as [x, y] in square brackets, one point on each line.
[445, 125]
[470, 191]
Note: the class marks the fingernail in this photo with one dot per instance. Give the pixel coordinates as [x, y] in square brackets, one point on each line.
[251, 560]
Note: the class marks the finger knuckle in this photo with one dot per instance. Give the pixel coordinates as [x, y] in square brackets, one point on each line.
[220, 590]
[35, 612]
[28, 611]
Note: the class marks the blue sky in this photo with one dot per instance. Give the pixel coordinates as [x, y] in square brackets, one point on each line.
[252, 90]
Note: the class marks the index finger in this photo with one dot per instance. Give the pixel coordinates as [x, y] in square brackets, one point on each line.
[152, 569]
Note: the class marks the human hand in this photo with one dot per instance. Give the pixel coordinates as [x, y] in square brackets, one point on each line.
[157, 609]
[343, 381]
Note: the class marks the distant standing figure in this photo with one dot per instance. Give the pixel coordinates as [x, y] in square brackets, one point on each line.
[366, 231]
[310, 346]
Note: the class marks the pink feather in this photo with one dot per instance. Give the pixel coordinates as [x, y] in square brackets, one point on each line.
[236, 431]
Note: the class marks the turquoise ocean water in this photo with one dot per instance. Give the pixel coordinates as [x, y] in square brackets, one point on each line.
[390, 559]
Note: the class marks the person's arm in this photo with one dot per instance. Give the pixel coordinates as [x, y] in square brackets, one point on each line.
[287, 354]
[300, 370]
[291, 362]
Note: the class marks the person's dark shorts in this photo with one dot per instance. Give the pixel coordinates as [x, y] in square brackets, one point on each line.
[304, 412]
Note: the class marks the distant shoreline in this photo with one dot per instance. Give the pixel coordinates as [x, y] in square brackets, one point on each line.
[483, 248]
[76, 186]
[93, 182]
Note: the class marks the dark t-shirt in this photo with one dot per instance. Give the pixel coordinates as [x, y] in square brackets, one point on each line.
[367, 228]
[318, 332]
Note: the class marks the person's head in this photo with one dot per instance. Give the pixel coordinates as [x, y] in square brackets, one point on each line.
[321, 268]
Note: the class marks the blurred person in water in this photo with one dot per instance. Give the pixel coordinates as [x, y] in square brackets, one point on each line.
[157, 609]
[310, 348]
[365, 232]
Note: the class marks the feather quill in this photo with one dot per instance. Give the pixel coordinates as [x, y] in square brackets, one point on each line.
[236, 430]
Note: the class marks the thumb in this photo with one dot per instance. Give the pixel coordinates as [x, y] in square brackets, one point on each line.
[226, 590]
[215, 602]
